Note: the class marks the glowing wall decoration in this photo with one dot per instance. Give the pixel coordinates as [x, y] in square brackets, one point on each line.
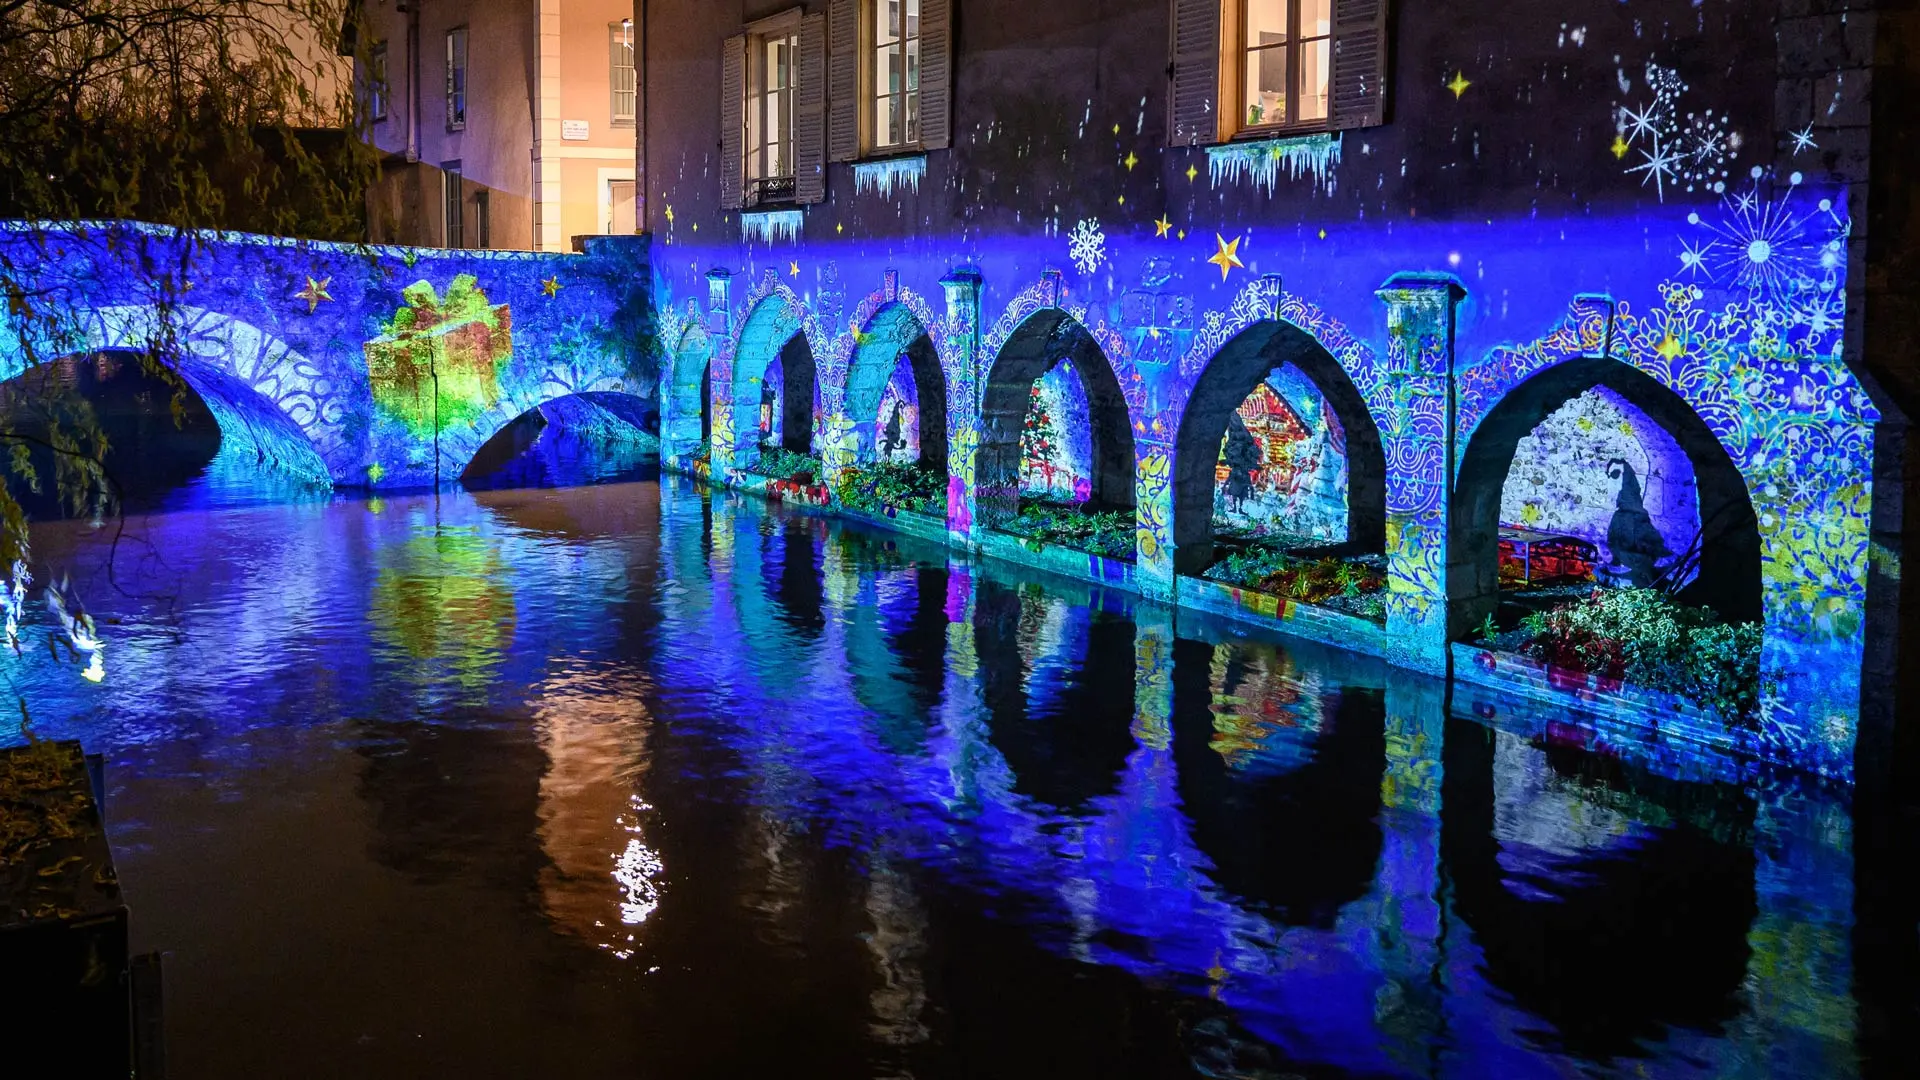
[319, 359]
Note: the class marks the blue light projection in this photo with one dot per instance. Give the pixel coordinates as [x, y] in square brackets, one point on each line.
[1729, 301]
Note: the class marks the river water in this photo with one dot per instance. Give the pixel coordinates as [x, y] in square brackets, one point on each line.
[631, 779]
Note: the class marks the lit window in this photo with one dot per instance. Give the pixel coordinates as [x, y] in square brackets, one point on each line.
[457, 79]
[377, 83]
[1287, 62]
[456, 235]
[770, 87]
[625, 94]
[896, 73]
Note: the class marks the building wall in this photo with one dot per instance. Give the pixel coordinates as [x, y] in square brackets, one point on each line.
[496, 148]
[1559, 192]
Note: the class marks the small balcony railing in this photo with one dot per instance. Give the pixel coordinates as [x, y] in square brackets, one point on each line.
[771, 191]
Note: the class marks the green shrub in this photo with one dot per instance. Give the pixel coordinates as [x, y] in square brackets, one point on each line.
[783, 464]
[1647, 638]
[1109, 532]
[1313, 581]
[906, 486]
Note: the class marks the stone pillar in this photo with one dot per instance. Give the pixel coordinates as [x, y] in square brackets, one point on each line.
[963, 287]
[1414, 406]
[720, 375]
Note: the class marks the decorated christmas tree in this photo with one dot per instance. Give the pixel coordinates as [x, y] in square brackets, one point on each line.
[1038, 439]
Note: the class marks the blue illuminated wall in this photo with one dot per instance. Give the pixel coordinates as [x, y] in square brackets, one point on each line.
[1569, 203]
[324, 358]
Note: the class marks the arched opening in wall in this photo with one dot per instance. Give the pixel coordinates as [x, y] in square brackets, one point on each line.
[1279, 478]
[689, 427]
[592, 438]
[1594, 492]
[774, 415]
[227, 445]
[1056, 458]
[897, 402]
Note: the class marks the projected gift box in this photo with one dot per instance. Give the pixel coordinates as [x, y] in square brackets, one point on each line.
[437, 363]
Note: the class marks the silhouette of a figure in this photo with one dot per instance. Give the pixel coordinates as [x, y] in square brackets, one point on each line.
[893, 441]
[1242, 456]
[1637, 546]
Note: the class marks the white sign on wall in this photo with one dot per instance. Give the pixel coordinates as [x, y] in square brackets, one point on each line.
[573, 130]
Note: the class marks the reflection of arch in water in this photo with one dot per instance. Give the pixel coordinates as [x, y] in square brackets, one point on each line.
[1056, 710]
[594, 424]
[1728, 550]
[1281, 780]
[1611, 938]
[1044, 338]
[1224, 379]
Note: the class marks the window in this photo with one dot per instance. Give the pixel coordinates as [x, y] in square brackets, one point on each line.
[620, 207]
[457, 79]
[483, 217]
[770, 93]
[377, 83]
[1286, 53]
[625, 92]
[896, 73]
[451, 199]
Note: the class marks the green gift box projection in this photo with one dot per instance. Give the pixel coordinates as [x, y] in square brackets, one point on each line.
[437, 362]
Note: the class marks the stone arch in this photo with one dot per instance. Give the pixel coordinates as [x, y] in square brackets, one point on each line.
[688, 411]
[602, 414]
[267, 399]
[1222, 380]
[1030, 350]
[1727, 550]
[778, 327]
[893, 330]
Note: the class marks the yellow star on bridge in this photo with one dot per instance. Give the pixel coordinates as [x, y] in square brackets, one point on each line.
[1228, 256]
[1459, 84]
[1162, 227]
[551, 286]
[315, 292]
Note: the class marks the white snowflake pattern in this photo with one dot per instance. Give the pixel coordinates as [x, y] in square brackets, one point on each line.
[1087, 245]
[1785, 254]
[1678, 149]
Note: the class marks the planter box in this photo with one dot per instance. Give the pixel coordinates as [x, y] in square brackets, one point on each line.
[1272, 612]
[923, 526]
[1519, 692]
[63, 932]
[1058, 559]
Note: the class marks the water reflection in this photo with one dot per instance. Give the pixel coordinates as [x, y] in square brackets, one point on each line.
[725, 791]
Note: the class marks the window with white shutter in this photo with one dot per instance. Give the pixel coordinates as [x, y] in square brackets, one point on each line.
[810, 113]
[733, 100]
[1251, 67]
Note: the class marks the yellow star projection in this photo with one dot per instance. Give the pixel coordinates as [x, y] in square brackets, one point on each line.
[1228, 256]
[315, 292]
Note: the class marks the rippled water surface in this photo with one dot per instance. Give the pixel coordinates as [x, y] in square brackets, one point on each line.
[630, 780]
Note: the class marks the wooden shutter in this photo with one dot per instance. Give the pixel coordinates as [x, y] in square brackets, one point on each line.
[1359, 63]
[810, 113]
[843, 80]
[1192, 100]
[936, 74]
[733, 123]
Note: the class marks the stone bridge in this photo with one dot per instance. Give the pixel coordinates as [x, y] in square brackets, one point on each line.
[372, 367]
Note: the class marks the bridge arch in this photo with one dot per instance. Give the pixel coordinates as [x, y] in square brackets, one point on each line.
[1028, 349]
[1236, 368]
[776, 342]
[894, 332]
[1724, 559]
[268, 400]
[687, 419]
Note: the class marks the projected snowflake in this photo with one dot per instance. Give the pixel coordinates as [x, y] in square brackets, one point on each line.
[1677, 149]
[1784, 252]
[1087, 245]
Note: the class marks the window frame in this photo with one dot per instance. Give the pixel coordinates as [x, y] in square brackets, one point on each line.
[452, 206]
[377, 85]
[482, 218]
[869, 83]
[619, 37]
[1239, 52]
[457, 88]
[764, 189]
